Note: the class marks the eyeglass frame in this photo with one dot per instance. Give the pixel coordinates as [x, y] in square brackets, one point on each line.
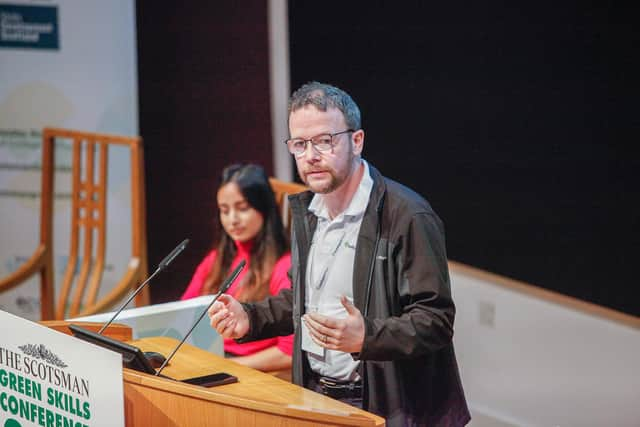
[310, 141]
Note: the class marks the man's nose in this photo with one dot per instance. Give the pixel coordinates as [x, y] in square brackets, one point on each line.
[310, 153]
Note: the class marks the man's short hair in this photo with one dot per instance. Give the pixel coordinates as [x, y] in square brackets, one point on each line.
[324, 96]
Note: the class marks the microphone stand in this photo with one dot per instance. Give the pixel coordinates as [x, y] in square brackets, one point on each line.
[222, 290]
[163, 264]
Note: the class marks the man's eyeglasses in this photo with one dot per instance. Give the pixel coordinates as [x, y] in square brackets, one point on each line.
[322, 142]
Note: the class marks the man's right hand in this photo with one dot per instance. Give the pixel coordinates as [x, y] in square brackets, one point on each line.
[228, 317]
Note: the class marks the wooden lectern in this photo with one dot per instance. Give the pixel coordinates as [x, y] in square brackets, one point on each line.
[257, 399]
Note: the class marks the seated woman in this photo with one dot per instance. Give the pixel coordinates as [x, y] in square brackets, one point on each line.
[249, 228]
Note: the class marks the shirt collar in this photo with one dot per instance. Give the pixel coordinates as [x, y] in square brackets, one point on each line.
[358, 203]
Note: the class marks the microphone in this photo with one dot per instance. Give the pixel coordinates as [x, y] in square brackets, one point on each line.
[174, 253]
[223, 288]
[163, 264]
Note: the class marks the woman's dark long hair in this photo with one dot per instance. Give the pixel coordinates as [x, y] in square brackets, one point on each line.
[269, 244]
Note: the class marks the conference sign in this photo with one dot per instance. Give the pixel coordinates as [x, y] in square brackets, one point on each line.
[51, 379]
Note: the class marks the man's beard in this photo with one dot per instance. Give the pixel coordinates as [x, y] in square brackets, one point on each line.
[334, 182]
[328, 187]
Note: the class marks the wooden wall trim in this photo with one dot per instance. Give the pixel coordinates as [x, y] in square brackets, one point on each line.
[547, 295]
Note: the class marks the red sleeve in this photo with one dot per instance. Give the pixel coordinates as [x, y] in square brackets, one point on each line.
[280, 280]
[197, 281]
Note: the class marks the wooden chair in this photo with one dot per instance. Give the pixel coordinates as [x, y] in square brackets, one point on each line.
[282, 189]
[88, 217]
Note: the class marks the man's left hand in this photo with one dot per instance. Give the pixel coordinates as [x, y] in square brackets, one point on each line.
[338, 334]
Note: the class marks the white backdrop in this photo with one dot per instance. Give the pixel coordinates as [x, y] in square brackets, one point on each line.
[527, 361]
[88, 83]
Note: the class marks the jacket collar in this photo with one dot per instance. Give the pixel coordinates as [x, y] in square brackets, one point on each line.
[368, 241]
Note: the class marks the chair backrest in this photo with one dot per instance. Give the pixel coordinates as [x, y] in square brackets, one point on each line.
[82, 276]
[281, 190]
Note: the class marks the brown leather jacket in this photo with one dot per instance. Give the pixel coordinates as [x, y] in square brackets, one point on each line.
[401, 286]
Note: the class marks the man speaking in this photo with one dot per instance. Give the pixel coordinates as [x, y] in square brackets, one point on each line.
[371, 303]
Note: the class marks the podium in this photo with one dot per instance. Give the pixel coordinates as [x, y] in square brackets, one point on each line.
[257, 399]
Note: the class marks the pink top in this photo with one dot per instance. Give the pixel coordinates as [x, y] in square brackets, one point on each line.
[279, 280]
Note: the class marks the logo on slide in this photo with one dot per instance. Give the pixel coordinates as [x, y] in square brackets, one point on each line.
[30, 27]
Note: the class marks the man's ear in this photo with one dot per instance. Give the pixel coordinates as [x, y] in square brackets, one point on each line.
[357, 139]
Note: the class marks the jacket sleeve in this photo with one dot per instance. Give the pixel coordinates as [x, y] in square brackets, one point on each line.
[419, 296]
[271, 317]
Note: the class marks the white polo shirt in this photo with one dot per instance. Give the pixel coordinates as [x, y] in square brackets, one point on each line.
[330, 271]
